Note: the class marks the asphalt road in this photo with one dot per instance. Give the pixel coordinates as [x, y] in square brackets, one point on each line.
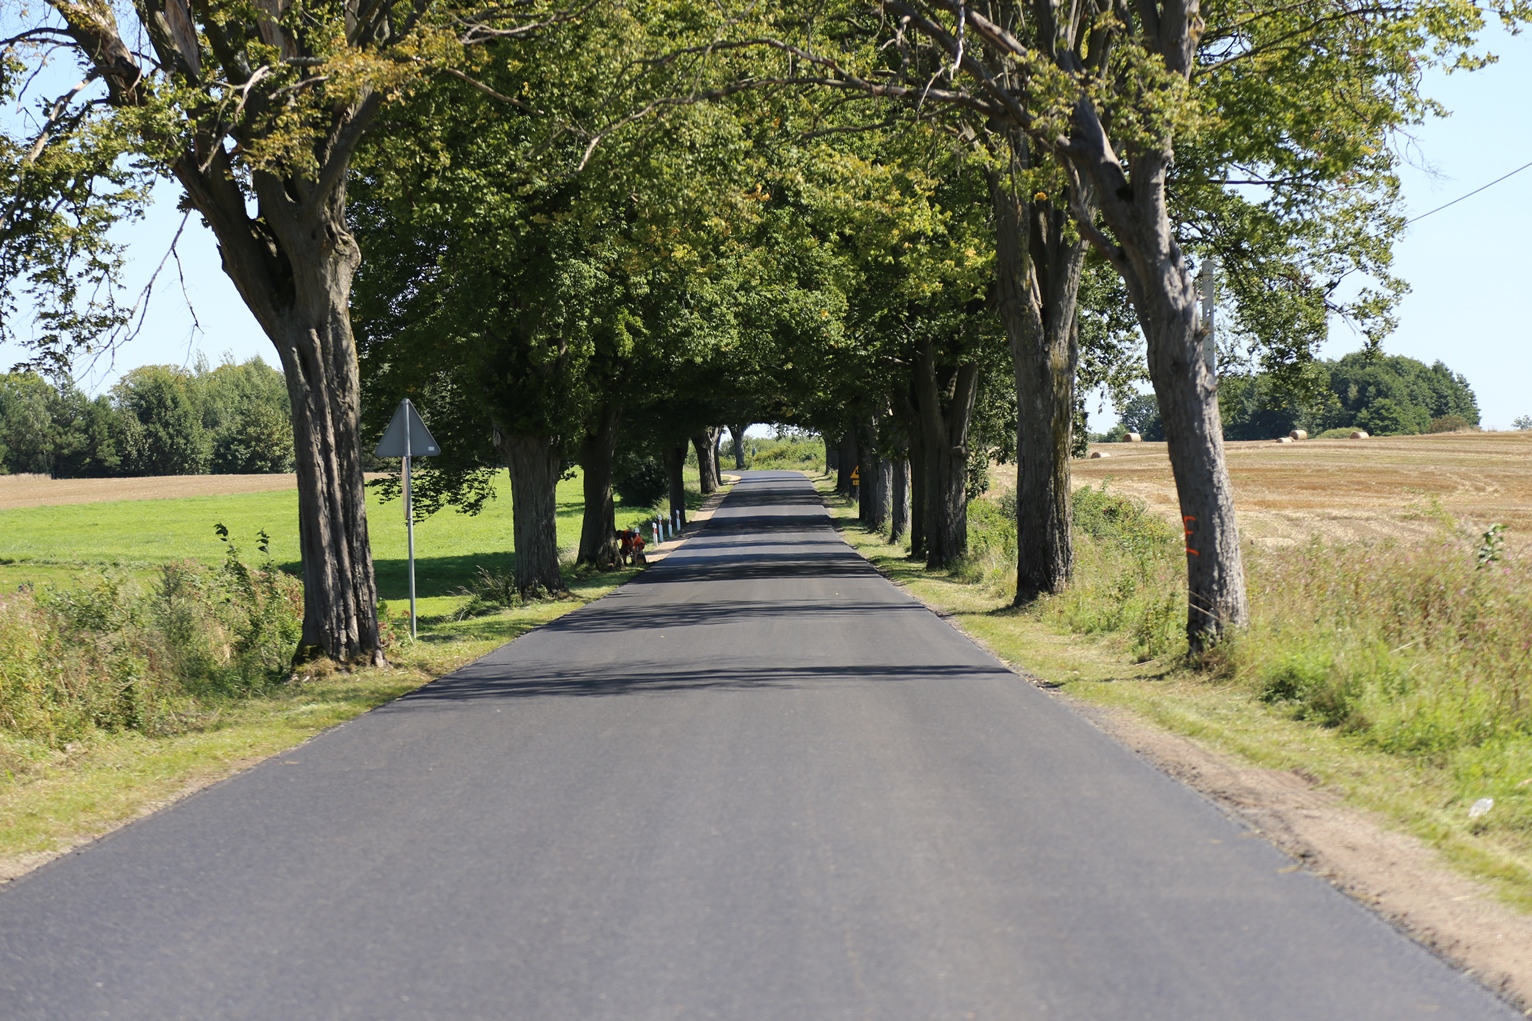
[758, 782]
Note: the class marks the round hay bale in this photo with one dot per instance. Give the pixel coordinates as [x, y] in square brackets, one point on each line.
[1133, 438]
[1284, 439]
[1299, 434]
[1360, 434]
[1098, 453]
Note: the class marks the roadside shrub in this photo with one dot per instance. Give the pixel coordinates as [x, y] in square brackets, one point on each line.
[799, 452]
[1129, 571]
[118, 655]
[639, 479]
[1449, 424]
[991, 557]
[489, 592]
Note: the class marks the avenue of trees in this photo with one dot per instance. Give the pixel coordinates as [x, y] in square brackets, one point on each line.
[583, 233]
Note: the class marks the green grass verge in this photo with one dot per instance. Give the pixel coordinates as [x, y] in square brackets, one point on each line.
[1422, 796]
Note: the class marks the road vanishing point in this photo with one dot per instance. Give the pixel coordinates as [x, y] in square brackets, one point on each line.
[757, 783]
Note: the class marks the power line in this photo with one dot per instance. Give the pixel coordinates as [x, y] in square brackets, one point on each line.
[1470, 195]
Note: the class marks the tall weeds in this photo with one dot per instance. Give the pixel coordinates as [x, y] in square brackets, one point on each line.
[1422, 651]
[117, 654]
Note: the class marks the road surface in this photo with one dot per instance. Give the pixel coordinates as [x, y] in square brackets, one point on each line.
[759, 783]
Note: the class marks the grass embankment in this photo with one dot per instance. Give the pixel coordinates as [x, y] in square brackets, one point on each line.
[1397, 674]
[141, 658]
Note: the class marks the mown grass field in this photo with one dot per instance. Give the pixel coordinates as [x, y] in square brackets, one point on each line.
[65, 779]
[63, 544]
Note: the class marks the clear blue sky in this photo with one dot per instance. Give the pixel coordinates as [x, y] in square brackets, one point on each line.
[1467, 266]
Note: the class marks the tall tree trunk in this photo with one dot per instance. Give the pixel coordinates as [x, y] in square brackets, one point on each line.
[707, 462]
[340, 593]
[301, 300]
[848, 461]
[920, 486]
[675, 461]
[737, 433]
[899, 511]
[1038, 266]
[945, 439]
[534, 465]
[832, 453]
[883, 493]
[598, 527]
[292, 261]
[873, 496]
[309, 323]
[1143, 249]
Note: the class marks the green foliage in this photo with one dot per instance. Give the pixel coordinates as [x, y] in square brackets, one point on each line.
[1386, 396]
[792, 451]
[1491, 546]
[1128, 568]
[639, 479]
[247, 416]
[26, 424]
[1142, 415]
[490, 592]
[1396, 394]
[161, 423]
[1449, 424]
[71, 177]
[1419, 651]
[158, 420]
[119, 655]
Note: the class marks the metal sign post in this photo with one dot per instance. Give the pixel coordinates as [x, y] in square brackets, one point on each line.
[408, 436]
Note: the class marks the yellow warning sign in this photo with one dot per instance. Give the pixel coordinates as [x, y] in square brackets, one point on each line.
[856, 475]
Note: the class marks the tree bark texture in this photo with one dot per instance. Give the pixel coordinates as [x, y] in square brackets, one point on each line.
[872, 499]
[675, 460]
[598, 527]
[1038, 269]
[705, 444]
[737, 435]
[704, 451]
[848, 461]
[1164, 295]
[832, 453]
[534, 465]
[944, 429]
[920, 486]
[899, 500]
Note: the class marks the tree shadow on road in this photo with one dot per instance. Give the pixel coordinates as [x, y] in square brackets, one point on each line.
[489, 680]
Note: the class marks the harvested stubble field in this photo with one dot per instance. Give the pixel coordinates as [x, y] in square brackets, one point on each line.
[1399, 487]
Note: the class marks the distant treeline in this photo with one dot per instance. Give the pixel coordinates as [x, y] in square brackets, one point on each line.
[157, 420]
[1384, 395]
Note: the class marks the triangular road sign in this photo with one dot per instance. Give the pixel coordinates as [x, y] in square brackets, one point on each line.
[407, 435]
